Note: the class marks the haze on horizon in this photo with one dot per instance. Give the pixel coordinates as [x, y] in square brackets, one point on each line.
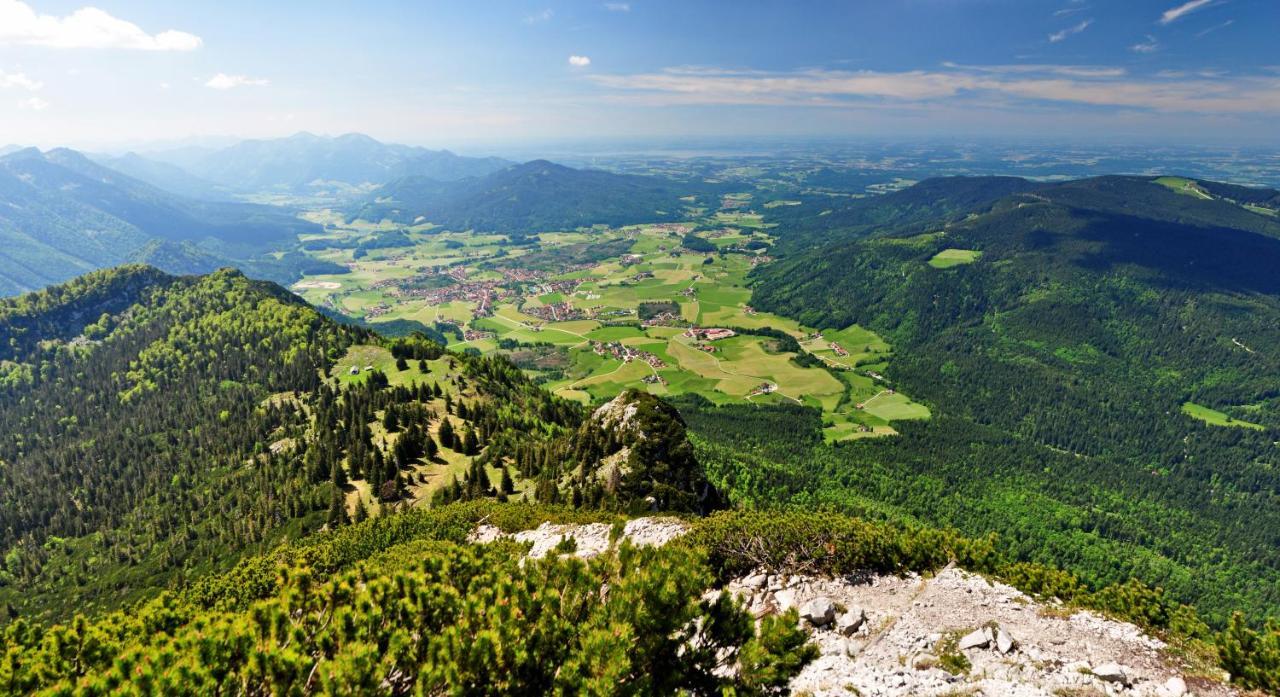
[124, 72]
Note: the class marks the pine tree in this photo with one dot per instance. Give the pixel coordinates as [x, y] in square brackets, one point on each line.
[337, 509]
[446, 433]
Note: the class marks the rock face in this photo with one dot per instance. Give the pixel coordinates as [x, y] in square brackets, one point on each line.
[634, 449]
[889, 636]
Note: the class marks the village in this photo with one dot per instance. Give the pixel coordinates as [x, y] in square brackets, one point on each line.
[626, 354]
[702, 336]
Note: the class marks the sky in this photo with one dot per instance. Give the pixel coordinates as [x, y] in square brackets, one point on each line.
[119, 73]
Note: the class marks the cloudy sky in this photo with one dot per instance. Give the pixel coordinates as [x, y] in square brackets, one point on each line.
[122, 72]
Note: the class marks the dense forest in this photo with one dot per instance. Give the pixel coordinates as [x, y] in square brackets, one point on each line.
[158, 427]
[1058, 366]
[536, 196]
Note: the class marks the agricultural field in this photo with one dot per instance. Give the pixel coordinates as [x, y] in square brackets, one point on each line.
[567, 310]
[1213, 417]
[949, 258]
[1184, 186]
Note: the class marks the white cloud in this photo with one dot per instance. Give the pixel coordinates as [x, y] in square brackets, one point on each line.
[539, 17]
[19, 80]
[579, 61]
[87, 27]
[618, 6]
[1215, 27]
[1148, 46]
[33, 104]
[223, 81]
[1173, 14]
[1059, 36]
[1022, 85]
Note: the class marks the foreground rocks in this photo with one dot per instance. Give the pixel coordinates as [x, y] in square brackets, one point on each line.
[960, 634]
[953, 634]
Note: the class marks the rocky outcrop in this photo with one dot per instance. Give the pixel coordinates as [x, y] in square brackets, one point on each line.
[961, 634]
[954, 633]
[634, 451]
[588, 540]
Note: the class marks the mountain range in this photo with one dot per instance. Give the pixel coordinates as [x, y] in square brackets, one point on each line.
[62, 214]
[531, 197]
[307, 162]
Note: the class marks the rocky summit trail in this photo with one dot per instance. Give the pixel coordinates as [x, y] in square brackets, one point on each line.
[954, 633]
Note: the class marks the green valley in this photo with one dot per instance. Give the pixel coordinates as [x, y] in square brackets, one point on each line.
[589, 314]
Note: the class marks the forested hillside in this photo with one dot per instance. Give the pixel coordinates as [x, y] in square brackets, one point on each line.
[158, 427]
[62, 215]
[536, 196]
[1102, 359]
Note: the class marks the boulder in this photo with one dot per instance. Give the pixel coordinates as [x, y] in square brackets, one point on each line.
[1173, 687]
[755, 581]
[819, 612]
[1112, 673]
[785, 599]
[850, 622]
[977, 639]
[1004, 642]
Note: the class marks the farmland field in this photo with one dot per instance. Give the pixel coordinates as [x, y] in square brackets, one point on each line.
[567, 308]
[1213, 417]
[948, 258]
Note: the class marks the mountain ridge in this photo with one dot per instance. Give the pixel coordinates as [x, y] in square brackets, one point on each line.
[295, 163]
[61, 215]
[538, 195]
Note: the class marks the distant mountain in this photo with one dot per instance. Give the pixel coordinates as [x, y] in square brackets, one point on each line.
[530, 197]
[1102, 358]
[305, 161]
[164, 175]
[820, 218]
[62, 214]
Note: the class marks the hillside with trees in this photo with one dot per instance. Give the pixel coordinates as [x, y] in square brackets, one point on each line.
[536, 196]
[1059, 363]
[158, 427]
[62, 215]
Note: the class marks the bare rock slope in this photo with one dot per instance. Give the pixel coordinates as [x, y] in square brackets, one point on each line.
[954, 633]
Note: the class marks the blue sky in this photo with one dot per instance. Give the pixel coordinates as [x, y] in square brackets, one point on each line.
[121, 72]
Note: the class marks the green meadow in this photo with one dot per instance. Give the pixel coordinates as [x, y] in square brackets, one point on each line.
[710, 290]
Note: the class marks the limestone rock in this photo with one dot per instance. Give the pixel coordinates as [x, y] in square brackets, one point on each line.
[977, 639]
[1112, 673]
[819, 612]
[1004, 642]
[756, 581]
[1173, 687]
[850, 622]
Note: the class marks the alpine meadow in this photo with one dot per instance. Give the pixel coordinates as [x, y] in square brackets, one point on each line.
[640, 348]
